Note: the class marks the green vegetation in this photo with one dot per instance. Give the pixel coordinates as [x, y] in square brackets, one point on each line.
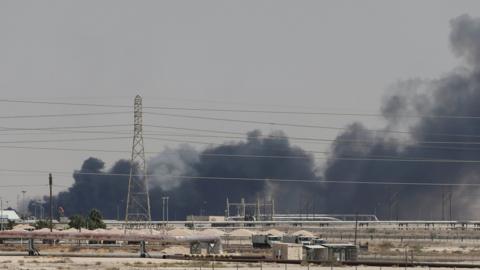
[93, 221]
[40, 224]
[77, 222]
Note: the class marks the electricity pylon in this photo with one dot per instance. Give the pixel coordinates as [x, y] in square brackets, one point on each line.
[138, 201]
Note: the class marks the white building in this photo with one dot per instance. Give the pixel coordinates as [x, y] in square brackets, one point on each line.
[8, 215]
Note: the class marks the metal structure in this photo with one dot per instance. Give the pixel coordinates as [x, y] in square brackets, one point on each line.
[23, 212]
[138, 201]
[247, 211]
[165, 207]
[50, 183]
[213, 241]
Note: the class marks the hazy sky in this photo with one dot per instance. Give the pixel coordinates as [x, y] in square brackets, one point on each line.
[296, 55]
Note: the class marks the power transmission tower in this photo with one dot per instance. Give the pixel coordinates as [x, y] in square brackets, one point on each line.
[138, 201]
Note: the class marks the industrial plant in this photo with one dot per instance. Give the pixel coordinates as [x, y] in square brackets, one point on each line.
[255, 231]
[239, 134]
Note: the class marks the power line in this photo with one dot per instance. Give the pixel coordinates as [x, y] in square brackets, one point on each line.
[309, 112]
[24, 185]
[313, 181]
[210, 143]
[456, 117]
[291, 137]
[244, 121]
[195, 129]
[60, 115]
[63, 103]
[304, 139]
[62, 149]
[66, 140]
[64, 132]
[220, 155]
[314, 139]
[178, 108]
[295, 125]
[63, 127]
[371, 158]
[295, 138]
[123, 151]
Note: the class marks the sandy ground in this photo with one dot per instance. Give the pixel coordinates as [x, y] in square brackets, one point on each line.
[50, 263]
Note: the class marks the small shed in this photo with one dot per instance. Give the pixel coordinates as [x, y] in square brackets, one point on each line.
[287, 251]
[315, 253]
[341, 252]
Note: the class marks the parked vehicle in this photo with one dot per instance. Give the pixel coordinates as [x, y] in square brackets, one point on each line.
[318, 241]
[297, 239]
[264, 240]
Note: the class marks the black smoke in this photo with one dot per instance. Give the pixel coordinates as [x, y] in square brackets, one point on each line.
[95, 187]
[189, 178]
[413, 112]
[454, 94]
[288, 195]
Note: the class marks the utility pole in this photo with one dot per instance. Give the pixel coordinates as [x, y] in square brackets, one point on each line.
[50, 181]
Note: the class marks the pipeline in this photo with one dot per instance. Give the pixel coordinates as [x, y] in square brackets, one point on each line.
[263, 259]
[88, 235]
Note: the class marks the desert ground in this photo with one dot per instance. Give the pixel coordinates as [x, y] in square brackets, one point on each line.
[73, 263]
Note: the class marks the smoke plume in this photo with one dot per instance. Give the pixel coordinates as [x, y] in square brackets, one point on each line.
[189, 178]
[415, 113]
[455, 94]
[167, 167]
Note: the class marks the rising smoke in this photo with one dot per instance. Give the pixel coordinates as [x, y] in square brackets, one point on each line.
[95, 187]
[457, 93]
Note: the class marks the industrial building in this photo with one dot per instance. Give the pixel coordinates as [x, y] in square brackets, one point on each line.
[341, 252]
[287, 251]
